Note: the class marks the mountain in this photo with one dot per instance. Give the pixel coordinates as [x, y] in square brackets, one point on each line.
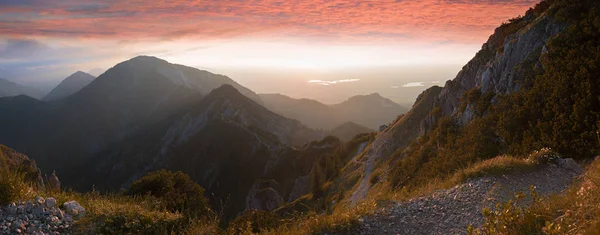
[348, 130]
[8, 88]
[370, 111]
[69, 86]
[228, 143]
[310, 112]
[128, 97]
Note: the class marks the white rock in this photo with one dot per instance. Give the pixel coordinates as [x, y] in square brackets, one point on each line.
[50, 202]
[73, 208]
[39, 200]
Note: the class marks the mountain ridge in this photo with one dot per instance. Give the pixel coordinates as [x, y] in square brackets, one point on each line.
[9, 88]
[370, 110]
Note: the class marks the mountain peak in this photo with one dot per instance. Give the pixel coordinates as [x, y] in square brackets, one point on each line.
[225, 88]
[70, 85]
[146, 59]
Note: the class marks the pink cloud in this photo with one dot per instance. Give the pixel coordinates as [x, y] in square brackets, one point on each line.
[431, 20]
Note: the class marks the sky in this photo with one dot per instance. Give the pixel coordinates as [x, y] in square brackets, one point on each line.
[321, 49]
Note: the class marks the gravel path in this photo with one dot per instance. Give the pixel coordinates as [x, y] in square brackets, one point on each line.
[452, 211]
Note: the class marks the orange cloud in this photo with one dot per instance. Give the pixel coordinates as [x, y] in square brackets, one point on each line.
[431, 20]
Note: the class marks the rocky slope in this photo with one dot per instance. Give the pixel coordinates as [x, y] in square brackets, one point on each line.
[370, 111]
[8, 88]
[452, 211]
[69, 86]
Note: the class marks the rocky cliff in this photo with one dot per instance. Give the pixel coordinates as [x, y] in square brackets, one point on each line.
[497, 67]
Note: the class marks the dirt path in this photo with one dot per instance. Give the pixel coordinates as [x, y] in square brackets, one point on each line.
[363, 187]
[452, 211]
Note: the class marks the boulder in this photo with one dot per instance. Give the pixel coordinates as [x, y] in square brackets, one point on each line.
[50, 202]
[73, 208]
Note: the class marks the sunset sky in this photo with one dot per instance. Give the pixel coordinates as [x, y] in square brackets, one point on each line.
[259, 43]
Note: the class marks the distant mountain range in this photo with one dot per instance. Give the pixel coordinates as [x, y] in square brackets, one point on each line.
[145, 114]
[127, 97]
[8, 88]
[69, 86]
[370, 111]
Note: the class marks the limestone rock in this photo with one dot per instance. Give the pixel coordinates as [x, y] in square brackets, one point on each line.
[53, 182]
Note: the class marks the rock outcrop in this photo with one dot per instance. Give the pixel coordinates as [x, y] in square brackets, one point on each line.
[13, 160]
[497, 67]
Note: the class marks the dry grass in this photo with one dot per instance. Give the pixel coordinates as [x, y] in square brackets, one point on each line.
[341, 220]
[497, 166]
[575, 212]
[382, 193]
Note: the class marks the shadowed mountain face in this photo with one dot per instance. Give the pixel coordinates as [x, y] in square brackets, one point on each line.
[226, 142]
[69, 86]
[370, 111]
[126, 98]
[8, 88]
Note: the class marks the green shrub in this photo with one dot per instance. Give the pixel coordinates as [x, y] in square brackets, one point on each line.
[175, 192]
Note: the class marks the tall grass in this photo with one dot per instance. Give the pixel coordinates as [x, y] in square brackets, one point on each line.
[13, 185]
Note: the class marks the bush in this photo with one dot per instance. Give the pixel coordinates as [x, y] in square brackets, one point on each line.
[175, 191]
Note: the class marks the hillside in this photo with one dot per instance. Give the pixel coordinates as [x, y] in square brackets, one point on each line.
[69, 86]
[8, 88]
[370, 111]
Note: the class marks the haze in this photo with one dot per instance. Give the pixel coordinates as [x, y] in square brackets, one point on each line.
[396, 48]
